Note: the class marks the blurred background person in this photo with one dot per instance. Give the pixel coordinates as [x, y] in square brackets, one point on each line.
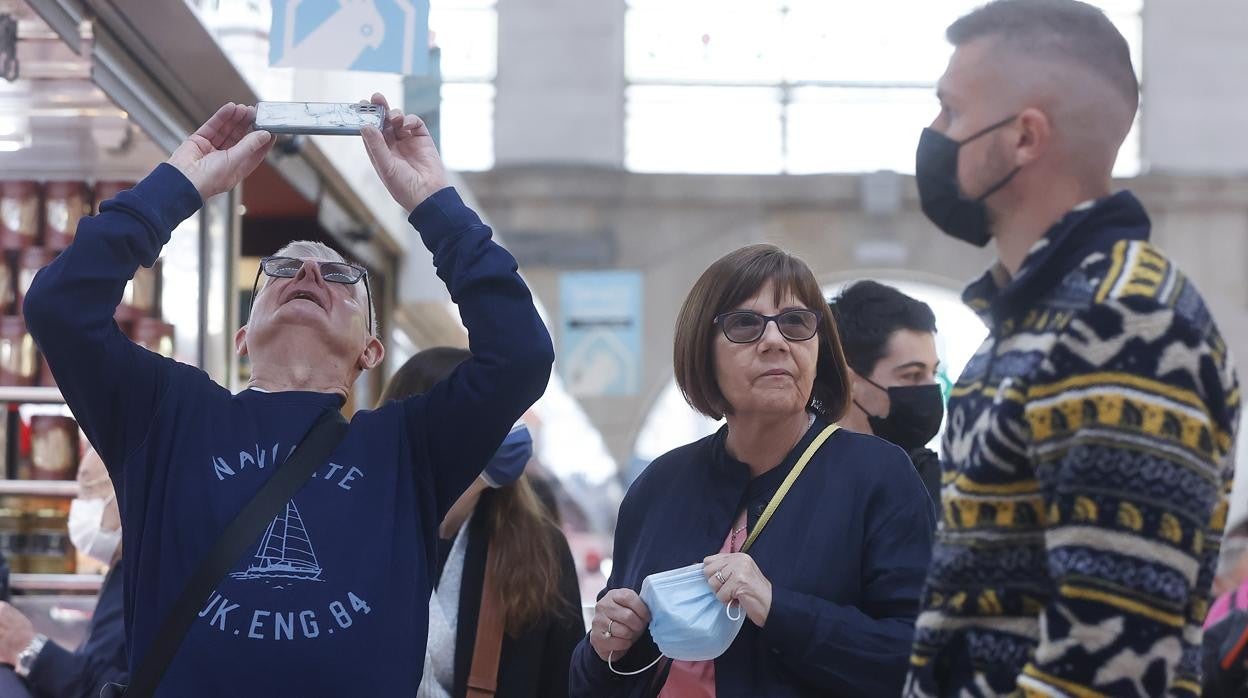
[831, 590]
[1224, 648]
[1232, 559]
[890, 345]
[1230, 583]
[52, 671]
[498, 530]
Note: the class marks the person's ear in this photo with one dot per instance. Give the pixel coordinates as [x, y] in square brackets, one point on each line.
[854, 382]
[1035, 134]
[240, 341]
[372, 355]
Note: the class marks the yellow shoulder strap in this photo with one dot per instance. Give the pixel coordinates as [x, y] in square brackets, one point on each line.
[788, 483]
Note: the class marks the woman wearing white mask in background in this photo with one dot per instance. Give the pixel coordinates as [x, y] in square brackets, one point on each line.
[781, 556]
[49, 670]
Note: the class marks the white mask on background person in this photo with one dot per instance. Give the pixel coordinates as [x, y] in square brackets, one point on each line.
[86, 532]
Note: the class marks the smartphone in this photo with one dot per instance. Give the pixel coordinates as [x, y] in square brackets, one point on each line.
[317, 118]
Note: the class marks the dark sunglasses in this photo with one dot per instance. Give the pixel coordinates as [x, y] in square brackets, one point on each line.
[334, 272]
[747, 326]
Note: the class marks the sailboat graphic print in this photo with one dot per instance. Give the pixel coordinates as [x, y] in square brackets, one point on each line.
[285, 551]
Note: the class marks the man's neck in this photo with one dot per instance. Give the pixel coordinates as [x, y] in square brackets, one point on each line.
[762, 442]
[300, 373]
[857, 420]
[1017, 230]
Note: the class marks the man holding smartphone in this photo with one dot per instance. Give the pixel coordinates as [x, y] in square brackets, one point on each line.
[1089, 442]
[334, 600]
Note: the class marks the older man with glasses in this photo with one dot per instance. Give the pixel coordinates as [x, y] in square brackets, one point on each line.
[338, 272]
[333, 598]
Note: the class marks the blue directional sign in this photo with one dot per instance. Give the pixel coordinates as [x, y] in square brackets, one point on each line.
[600, 338]
[386, 36]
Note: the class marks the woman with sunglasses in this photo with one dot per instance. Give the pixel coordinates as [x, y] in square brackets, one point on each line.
[818, 536]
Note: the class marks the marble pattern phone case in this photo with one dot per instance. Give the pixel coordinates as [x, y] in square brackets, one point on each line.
[323, 118]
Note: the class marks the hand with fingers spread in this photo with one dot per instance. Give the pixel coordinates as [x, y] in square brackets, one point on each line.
[404, 156]
[620, 618]
[223, 151]
[736, 576]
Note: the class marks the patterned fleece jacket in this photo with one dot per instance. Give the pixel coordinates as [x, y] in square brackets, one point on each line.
[1087, 460]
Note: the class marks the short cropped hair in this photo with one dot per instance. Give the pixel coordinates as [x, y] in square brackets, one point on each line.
[723, 287]
[867, 314]
[1059, 29]
[304, 249]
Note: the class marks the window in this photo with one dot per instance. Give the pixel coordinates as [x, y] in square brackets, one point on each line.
[796, 86]
[466, 31]
[704, 128]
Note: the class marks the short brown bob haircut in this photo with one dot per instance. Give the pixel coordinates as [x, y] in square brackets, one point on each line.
[723, 287]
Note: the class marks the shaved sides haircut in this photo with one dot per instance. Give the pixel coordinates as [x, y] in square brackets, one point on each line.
[1061, 30]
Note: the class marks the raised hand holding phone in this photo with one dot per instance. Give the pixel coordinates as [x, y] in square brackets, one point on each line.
[404, 156]
[223, 151]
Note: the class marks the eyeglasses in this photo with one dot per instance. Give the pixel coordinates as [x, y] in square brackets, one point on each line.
[747, 326]
[334, 272]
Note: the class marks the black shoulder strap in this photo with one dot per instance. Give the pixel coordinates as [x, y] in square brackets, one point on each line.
[237, 538]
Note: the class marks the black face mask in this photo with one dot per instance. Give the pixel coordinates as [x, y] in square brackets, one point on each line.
[936, 173]
[914, 415]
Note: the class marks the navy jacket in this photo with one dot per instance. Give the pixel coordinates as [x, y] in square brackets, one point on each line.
[846, 553]
[334, 598]
[101, 659]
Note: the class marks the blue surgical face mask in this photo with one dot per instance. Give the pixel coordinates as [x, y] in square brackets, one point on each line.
[509, 460]
[687, 621]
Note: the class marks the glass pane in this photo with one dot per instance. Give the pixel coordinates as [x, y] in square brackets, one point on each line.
[805, 40]
[880, 41]
[727, 41]
[468, 38]
[1131, 24]
[1130, 163]
[436, 5]
[833, 129]
[867, 42]
[703, 129]
[1119, 7]
[704, 6]
[1126, 15]
[467, 123]
[180, 288]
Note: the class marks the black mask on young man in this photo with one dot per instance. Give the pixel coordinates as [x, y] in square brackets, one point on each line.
[936, 173]
[914, 415]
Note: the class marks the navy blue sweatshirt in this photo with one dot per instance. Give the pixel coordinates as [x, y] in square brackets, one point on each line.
[846, 553]
[334, 600]
[101, 659]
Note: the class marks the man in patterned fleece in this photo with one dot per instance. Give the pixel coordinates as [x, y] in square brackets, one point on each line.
[1088, 450]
